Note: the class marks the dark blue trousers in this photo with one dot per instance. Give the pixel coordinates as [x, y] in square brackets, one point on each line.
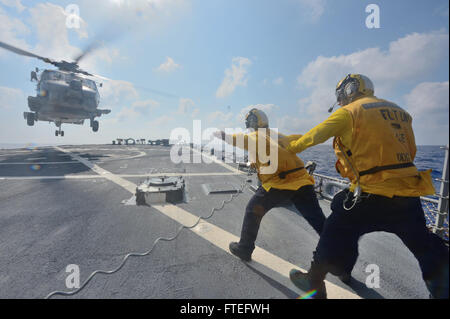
[337, 249]
[304, 199]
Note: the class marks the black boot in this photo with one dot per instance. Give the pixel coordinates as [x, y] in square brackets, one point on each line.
[314, 289]
[239, 251]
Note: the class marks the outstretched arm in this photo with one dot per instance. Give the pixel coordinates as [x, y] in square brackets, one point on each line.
[239, 140]
[293, 137]
[337, 124]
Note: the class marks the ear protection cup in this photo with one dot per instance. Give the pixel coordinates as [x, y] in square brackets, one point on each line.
[256, 119]
[351, 89]
[251, 121]
[353, 86]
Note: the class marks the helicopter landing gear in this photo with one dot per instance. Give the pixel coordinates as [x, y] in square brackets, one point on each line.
[59, 132]
[94, 125]
[30, 119]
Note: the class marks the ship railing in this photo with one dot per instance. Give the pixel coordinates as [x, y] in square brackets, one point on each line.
[440, 226]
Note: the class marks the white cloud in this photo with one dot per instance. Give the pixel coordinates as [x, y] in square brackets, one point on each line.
[236, 76]
[428, 103]
[219, 117]
[48, 21]
[407, 61]
[269, 109]
[146, 104]
[162, 120]
[313, 9]
[407, 57]
[185, 105]
[291, 125]
[14, 3]
[11, 31]
[429, 98]
[137, 109]
[141, 9]
[168, 66]
[115, 91]
[11, 98]
[278, 81]
[134, 15]
[195, 112]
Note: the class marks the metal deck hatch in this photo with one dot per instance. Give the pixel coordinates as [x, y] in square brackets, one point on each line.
[220, 188]
[160, 190]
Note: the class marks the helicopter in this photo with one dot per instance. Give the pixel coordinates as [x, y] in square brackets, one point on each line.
[66, 95]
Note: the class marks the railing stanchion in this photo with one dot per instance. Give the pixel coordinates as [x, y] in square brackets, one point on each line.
[443, 199]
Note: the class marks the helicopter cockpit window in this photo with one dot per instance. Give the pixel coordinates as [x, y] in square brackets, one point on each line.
[89, 83]
[44, 76]
[52, 76]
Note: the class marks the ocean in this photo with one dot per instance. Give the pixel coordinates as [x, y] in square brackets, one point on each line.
[428, 156]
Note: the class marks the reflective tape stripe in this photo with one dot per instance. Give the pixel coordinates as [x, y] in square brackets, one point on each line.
[380, 104]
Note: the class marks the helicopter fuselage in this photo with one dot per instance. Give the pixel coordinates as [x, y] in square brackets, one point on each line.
[64, 97]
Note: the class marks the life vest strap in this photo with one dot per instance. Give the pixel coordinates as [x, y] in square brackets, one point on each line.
[282, 175]
[377, 169]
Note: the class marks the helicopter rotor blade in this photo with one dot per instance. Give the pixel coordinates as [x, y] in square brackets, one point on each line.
[158, 92]
[101, 77]
[74, 65]
[161, 93]
[24, 53]
[90, 48]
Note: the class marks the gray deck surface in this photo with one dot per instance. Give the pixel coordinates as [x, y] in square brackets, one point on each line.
[47, 223]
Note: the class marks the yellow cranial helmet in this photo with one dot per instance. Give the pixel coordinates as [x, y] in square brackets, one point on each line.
[256, 119]
[353, 86]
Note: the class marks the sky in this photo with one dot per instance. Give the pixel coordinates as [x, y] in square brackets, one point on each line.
[176, 61]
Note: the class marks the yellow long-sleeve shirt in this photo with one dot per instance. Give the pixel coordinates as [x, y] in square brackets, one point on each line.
[340, 124]
[286, 161]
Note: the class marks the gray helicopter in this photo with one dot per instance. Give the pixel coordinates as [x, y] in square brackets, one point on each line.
[66, 95]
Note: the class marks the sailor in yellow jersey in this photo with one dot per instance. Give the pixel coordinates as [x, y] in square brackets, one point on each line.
[287, 181]
[375, 148]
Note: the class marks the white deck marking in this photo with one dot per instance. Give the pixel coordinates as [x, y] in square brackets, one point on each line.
[14, 152]
[114, 157]
[215, 160]
[129, 186]
[18, 178]
[120, 175]
[264, 261]
[181, 174]
[38, 163]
